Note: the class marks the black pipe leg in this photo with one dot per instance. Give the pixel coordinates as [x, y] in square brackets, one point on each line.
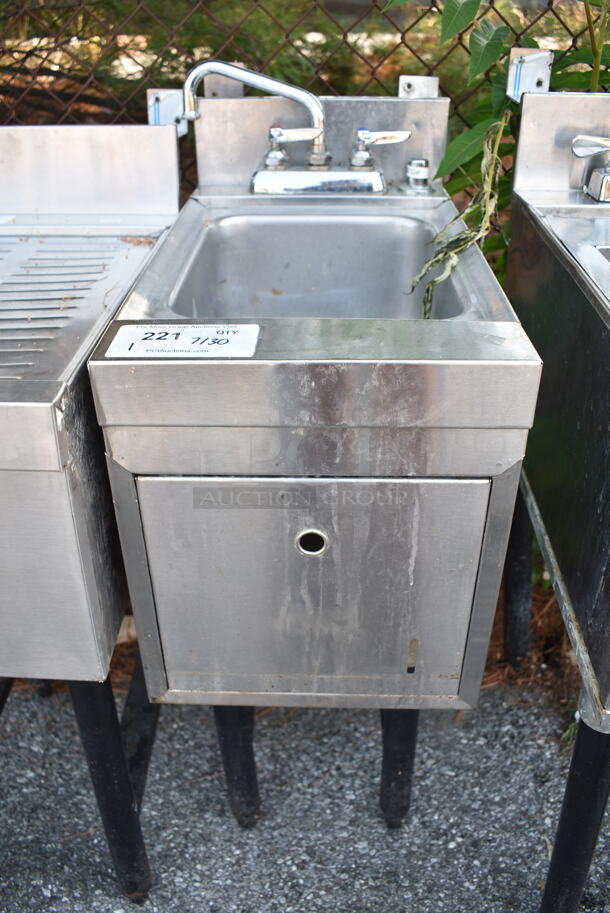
[581, 816]
[100, 733]
[138, 727]
[235, 727]
[5, 689]
[518, 586]
[399, 737]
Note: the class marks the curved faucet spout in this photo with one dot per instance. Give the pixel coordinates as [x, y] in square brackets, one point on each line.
[257, 81]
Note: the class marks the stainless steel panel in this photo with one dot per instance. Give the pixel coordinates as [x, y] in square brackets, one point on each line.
[486, 392]
[585, 237]
[329, 451]
[47, 629]
[57, 293]
[548, 167]
[109, 169]
[81, 445]
[28, 435]
[232, 134]
[80, 210]
[593, 709]
[495, 542]
[129, 522]
[241, 608]
[568, 456]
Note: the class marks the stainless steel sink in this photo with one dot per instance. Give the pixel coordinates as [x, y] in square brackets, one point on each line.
[238, 258]
[344, 419]
[305, 266]
[559, 280]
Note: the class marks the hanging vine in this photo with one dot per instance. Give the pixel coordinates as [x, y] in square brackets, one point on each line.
[480, 210]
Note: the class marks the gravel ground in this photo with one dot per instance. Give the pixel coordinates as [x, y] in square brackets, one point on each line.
[487, 792]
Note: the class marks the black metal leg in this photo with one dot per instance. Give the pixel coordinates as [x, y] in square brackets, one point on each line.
[581, 816]
[399, 737]
[138, 727]
[100, 733]
[5, 689]
[518, 586]
[235, 727]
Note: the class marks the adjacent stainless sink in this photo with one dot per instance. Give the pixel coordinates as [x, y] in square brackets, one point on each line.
[559, 279]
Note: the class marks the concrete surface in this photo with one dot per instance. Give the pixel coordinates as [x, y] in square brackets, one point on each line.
[487, 792]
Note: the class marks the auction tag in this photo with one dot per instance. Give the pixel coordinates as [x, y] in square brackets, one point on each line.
[187, 340]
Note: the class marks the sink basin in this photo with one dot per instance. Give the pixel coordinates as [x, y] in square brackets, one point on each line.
[245, 258]
[299, 266]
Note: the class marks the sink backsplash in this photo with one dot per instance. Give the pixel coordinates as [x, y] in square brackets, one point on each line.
[232, 135]
[546, 171]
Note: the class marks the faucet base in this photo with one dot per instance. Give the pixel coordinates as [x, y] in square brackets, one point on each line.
[310, 181]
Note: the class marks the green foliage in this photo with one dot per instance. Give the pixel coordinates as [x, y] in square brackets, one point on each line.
[565, 78]
[487, 44]
[464, 148]
[475, 157]
[598, 34]
[457, 15]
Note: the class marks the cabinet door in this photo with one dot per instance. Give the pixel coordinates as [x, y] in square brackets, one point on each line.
[338, 587]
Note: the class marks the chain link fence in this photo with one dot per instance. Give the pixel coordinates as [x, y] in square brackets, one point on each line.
[68, 61]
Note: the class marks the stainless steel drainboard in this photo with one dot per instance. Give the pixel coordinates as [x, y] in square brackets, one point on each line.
[54, 291]
[80, 211]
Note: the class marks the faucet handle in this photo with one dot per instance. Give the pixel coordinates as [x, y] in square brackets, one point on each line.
[279, 134]
[584, 146]
[277, 157]
[366, 137]
[361, 158]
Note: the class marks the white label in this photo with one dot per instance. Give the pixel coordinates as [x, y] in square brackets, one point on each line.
[418, 172]
[187, 340]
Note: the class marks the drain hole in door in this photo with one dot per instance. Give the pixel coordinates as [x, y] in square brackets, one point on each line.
[311, 542]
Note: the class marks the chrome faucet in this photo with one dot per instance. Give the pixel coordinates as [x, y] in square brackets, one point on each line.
[318, 158]
[597, 184]
[275, 177]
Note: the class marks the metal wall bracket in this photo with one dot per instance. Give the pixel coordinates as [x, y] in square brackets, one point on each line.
[166, 106]
[418, 87]
[529, 71]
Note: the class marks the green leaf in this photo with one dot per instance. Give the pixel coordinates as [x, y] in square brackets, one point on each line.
[493, 243]
[486, 45]
[582, 55]
[505, 190]
[461, 181]
[464, 148]
[526, 41]
[579, 82]
[457, 15]
[499, 98]
[392, 3]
